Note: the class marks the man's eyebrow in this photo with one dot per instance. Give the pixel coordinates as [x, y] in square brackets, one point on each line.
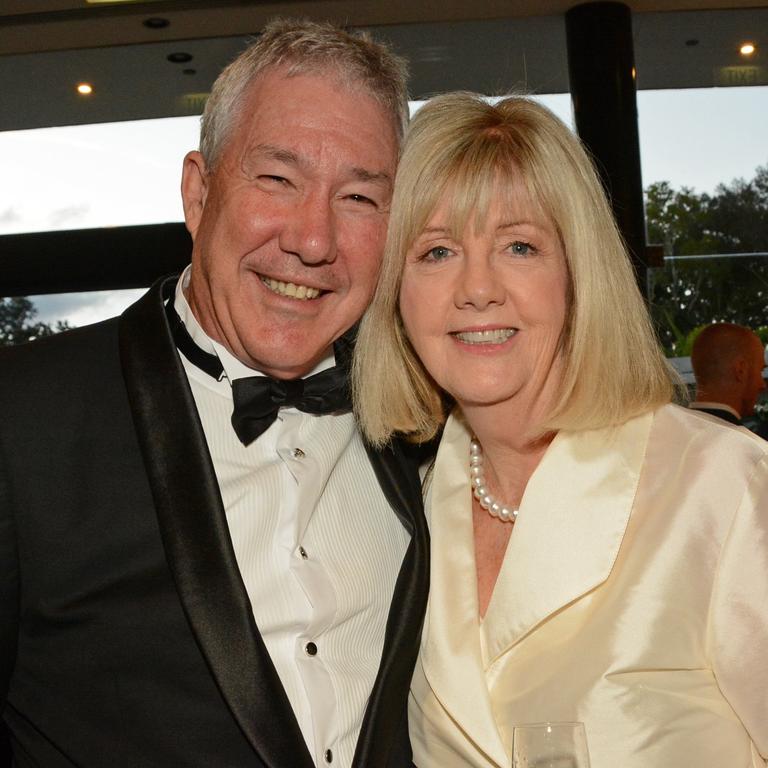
[363, 174]
[276, 153]
[287, 156]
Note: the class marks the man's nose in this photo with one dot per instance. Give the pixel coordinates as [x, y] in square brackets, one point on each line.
[310, 231]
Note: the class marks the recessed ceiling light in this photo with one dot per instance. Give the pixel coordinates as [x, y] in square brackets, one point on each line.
[156, 22]
[747, 49]
[84, 89]
[180, 57]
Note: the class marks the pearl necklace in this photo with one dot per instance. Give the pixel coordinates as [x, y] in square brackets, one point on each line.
[480, 489]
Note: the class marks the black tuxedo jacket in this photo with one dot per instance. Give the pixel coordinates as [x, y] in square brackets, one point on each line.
[126, 635]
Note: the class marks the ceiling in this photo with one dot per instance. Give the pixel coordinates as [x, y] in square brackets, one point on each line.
[492, 46]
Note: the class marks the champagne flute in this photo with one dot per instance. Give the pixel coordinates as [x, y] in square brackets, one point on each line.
[550, 745]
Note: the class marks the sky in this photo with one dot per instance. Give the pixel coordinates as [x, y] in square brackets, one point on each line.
[128, 173]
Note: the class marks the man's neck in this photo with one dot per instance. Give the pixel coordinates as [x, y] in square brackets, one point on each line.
[719, 395]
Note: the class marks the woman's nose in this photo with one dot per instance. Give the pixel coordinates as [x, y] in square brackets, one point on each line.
[478, 285]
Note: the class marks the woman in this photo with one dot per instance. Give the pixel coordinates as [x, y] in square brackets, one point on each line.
[614, 570]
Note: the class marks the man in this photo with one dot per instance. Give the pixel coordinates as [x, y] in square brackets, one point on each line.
[188, 586]
[728, 362]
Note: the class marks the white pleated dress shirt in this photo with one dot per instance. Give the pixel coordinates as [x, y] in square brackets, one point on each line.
[318, 547]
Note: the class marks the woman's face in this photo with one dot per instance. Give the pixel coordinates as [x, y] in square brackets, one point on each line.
[485, 309]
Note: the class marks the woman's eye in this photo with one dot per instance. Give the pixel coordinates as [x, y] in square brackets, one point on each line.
[438, 253]
[520, 248]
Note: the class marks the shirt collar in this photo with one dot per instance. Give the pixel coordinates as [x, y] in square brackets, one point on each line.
[702, 405]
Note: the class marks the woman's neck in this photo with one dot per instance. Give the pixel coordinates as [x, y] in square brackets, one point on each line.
[510, 436]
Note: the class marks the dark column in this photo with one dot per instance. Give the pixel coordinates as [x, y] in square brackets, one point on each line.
[601, 65]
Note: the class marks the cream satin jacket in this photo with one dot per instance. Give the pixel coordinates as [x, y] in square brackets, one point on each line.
[633, 597]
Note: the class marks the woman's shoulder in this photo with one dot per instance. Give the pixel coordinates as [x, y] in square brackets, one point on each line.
[688, 436]
[692, 424]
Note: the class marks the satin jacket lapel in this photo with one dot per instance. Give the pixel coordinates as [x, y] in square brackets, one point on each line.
[572, 521]
[397, 473]
[196, 537]
[571, 524]
[451, 653]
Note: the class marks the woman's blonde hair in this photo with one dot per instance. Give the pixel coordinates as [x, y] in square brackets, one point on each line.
[461, 145]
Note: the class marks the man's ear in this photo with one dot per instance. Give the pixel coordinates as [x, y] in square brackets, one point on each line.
[194, 190]
[740, 368]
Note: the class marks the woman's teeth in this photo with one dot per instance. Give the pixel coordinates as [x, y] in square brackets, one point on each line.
[496, 336]
[303, 292]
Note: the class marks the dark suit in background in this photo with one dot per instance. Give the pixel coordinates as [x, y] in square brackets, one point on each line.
[721, 413]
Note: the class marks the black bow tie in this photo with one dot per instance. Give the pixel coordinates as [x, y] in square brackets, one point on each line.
[258, 398]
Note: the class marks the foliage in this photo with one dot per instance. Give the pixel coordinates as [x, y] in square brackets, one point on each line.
[688, 293]
[17, 322]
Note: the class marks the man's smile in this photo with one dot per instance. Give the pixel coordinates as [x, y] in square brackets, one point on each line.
[291, 290]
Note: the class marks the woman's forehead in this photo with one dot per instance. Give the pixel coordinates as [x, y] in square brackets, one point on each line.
[487, 203]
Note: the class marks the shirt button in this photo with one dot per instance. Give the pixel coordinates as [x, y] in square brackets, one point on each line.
[303, 553]
[310, 649]
[328, 756]
[297, 453]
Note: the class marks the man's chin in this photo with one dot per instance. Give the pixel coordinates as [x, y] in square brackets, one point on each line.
[298, 363]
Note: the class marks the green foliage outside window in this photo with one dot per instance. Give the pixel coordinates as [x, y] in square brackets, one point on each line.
[688, 293]
[18, 325]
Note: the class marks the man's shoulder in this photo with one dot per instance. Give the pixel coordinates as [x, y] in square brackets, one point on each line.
[62, 351]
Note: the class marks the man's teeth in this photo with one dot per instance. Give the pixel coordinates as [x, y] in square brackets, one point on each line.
[496, 336]
[303, 292]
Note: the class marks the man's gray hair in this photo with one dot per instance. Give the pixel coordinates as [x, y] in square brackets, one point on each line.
[302, 47]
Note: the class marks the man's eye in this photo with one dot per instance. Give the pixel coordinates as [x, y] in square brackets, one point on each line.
[362, 199]
[270, 179]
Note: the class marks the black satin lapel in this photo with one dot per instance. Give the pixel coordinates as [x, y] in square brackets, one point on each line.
[397, 471]
[196, 537]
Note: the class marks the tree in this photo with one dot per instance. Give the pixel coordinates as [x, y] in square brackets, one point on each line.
[17, 322]
[688, 293]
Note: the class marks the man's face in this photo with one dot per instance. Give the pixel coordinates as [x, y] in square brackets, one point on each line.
[289, 227]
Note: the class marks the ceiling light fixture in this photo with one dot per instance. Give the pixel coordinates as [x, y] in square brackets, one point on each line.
[747, 49]
[84, 89]
[179, 57]
[156, 22]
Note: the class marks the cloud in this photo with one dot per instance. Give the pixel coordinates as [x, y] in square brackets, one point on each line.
[72, 213]
[9, 216]
[83, 308]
